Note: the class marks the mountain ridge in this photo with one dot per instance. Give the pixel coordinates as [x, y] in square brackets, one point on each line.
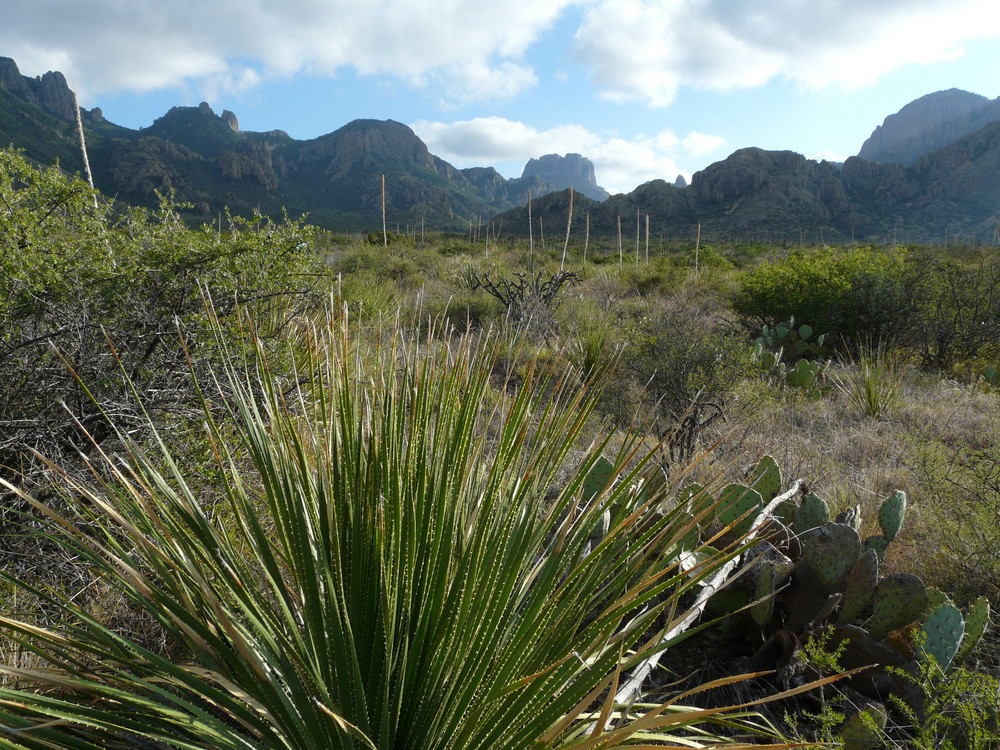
[929, 123]
[206, 161]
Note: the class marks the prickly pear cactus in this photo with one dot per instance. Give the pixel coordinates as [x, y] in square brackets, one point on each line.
[803, 375]
[831, 550]
[975, 626]
[598, 478]
[786, 336]
[811, 512]
[861, 585]
[766, 479]
[942, 634]
[763, 607]
[863, 730]
[878, 544]
[690, 531]
[737, 502]
[890, 515]
[899, 600]
[697, 501]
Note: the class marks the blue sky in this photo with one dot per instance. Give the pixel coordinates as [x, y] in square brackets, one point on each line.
[644, 88]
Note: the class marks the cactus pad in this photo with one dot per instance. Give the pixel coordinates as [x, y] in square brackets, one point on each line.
[863, 730]
[899, 600]
[942, 634]
[785, 512]
[860, 586]
[739, 501]
[935, 598]
[975, 625]
[811, 512]
[599, 476]
[766, 479]
[695, 499]
[890, 515]
[691, 536]
[831, 550]
[878, 544]
[803, 375]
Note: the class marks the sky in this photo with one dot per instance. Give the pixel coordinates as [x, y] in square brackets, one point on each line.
[645, 89]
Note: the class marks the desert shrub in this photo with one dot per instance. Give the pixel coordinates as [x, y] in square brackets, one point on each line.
[688, 367]
[593, 335]
[959, 309]
[76, 274]
[463, 310]
[860, 295]
[964, 492]
[871, 380]
[958, 709]
[661, 277]
[405, 266]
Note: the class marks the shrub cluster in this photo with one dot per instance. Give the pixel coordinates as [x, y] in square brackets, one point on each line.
[77, 276]
[945, 309]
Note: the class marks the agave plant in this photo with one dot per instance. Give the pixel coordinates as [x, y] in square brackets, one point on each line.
[407, 564]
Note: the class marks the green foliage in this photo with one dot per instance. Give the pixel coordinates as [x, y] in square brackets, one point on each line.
[400, 569]
[959, 309]
[963, 491]
[792, 340]
[389, 238]
[872, 380]
[690, 367]
[955, 710]
[860, 294]
[76, 273]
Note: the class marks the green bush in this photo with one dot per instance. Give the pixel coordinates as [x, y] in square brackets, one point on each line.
[959, 309]
[688, 368]
[77, 273]
[860, 295]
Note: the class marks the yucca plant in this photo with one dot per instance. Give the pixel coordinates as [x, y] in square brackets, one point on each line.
[872, 379]
[409, 564]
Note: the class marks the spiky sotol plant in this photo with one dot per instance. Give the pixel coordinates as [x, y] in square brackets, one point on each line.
[399, 569]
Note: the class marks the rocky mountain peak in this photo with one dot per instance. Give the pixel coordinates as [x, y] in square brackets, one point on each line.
[928, 124]
[49, 91]
[571, 170]
[230, 119]
[11, 78]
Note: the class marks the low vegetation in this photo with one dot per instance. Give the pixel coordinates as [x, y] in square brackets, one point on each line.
[266, 487]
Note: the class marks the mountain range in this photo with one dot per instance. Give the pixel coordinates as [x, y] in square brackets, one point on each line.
[929, 172]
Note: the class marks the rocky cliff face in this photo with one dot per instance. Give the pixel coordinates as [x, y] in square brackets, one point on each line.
[928, 124]
[49, 92]
[570, 171]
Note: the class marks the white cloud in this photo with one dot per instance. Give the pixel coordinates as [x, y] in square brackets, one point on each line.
[109, 45]
[620, 164]
[830, 156]
[703, 144]
[479, 82]
[646, 50]
[636, 50]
